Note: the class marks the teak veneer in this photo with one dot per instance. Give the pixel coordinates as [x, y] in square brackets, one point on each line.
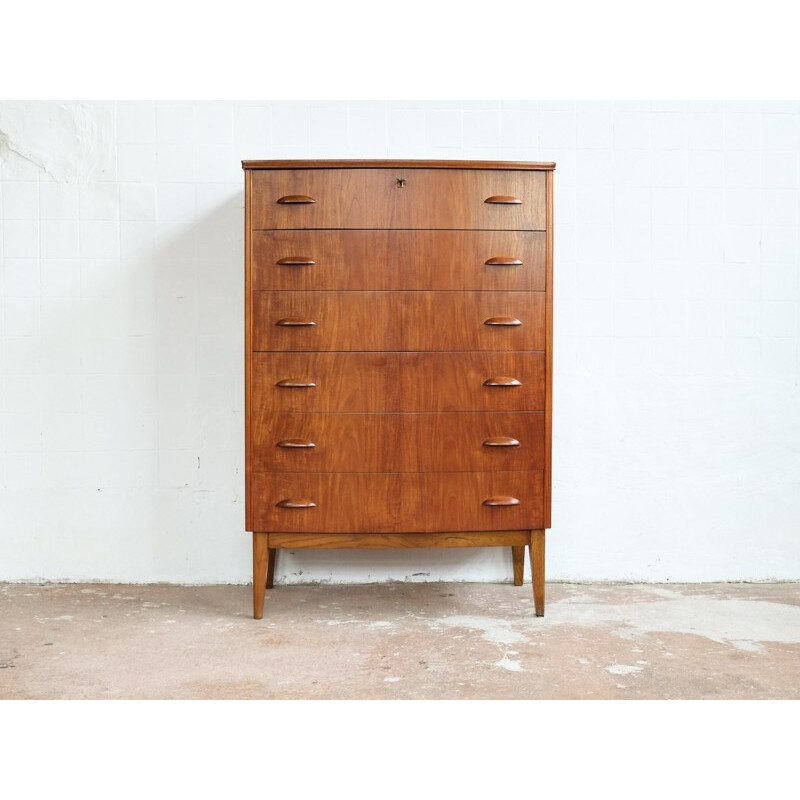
[398, 321]
[397, 382]
[403, 259]
[398, 357]
[470, 441]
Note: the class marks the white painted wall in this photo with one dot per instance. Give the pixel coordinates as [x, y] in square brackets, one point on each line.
[677, 401]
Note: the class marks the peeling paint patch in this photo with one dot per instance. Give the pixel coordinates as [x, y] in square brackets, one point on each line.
[69, 142]
[509, 663]
[743, 624]
[495, 630]
[623, 669]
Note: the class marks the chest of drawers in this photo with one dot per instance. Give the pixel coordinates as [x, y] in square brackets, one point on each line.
[398, 357]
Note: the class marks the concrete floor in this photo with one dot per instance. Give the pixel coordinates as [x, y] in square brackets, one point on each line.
[401, 641]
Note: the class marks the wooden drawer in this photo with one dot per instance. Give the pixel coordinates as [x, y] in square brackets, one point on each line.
[391, 382]
[400, 502]
[405, 259]
[427, 442]
[373, 198]
[398, 321]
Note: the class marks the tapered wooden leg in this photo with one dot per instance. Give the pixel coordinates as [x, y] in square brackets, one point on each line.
[272, 557]
[518, 556]
[260, 556]
[537, 570]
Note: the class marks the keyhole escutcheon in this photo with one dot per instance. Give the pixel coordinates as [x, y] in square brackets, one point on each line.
[401, 182]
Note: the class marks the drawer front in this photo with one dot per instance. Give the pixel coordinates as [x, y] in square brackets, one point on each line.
[405, 259]
[392, 503]
[402, 198]
[319, 321]
[460, 501]
[389, 382]
[325, 502]
[421, 442]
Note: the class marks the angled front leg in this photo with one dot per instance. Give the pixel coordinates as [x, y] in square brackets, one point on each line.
[537, 570]
[518, 556]
[260, 557]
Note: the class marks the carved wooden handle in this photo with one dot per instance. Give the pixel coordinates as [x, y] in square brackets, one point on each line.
[502, 199]
[296, 261]
[501, 500]
[300, 503]
[296, 322]
[501, 382]
[292, 444]
[501, 441]
[296, 383]
[297, 199]
[501, 261]
[502, 321]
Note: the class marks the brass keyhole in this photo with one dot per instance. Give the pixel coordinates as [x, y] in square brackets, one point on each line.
[401, 182]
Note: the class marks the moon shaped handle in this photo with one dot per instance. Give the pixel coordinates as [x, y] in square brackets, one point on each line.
[503, 381]
[296, 322]
[507, 322]
[299, 503]
[502, 199]
[296, 261]
[501, 441]
[296, 383]
[503, 261]
[501, 500]
[295, 199]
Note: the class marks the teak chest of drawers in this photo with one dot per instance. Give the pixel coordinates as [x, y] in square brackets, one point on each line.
[398, 357]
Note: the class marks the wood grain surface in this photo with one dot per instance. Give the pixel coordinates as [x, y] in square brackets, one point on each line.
[392, 382]
[548, 380]
[364, 502]
[248, 349]
[398, 357]
[372, 198]
[388, 163]
[382, 540]
[426, 442]
[394, 321]
[404, 259]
